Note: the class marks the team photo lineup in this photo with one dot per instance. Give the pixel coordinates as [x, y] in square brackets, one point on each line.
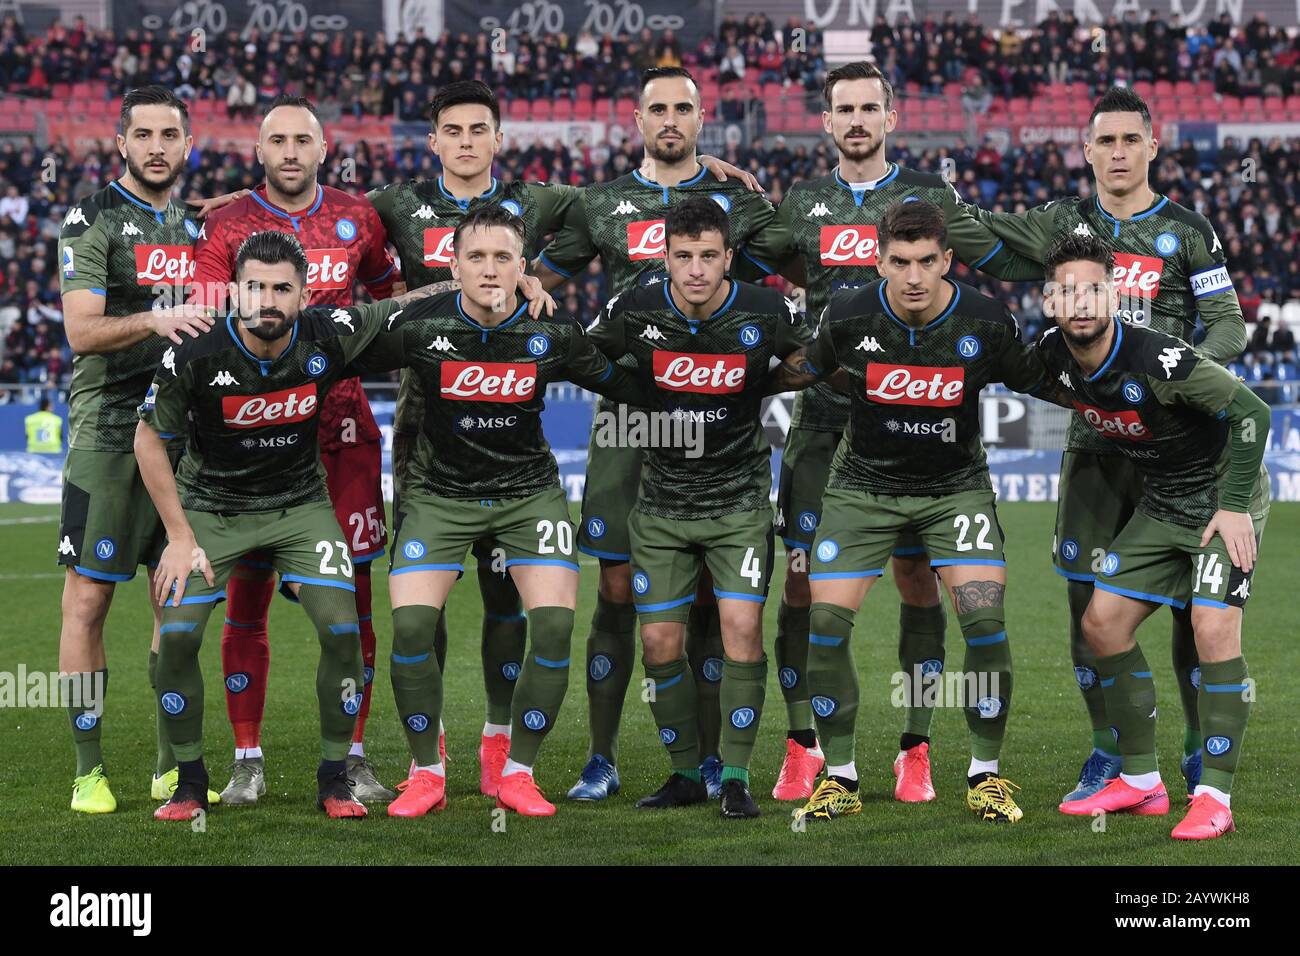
[687, 637]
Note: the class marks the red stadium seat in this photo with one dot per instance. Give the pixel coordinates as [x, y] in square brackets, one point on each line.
[584, 110]
[518, 109]
[604, 108]
[541, 110]
[1164, 88]
[563, 109]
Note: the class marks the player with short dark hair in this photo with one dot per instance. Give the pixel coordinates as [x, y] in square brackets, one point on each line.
[702, 344]
[481, 470]
[344, 242]
[915, 349]
[1196, 435]
[247, 396]
[1170, 274]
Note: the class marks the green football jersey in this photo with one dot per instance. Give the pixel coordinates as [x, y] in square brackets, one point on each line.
[1169, 269]
[914, 421]
[1163, 404]
[251, 424]
[115, 244]
[705, 380]
[832, 227]
[420, 218]
[483, 393]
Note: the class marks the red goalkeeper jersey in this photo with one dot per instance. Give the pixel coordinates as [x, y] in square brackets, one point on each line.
[345, 243]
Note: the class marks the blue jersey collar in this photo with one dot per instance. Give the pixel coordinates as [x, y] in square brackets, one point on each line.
[726, 304]
[264, 365]
[293, 217]
[1114, 349]
[515, 316]
[132, 198]
[463, 203]
[941, 317]
[860, 194]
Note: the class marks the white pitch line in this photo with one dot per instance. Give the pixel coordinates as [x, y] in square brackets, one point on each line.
[29, 577]
[47, 519]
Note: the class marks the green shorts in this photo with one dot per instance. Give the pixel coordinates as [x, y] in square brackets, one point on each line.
[107, 524]
[613, 481]
[433, 533]
[304, 543]
[1153, 560]
[668, 555]
[860, 530]
[1098, 494]
[805, 468]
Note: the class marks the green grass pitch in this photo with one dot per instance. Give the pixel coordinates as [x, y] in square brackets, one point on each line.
[1047, 740]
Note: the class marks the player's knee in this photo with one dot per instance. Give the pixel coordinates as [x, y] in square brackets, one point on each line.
[179, 645]
[616, 582]
[916, 581]
[85, 602]
[661, 643]
[413, 638]
[1100, 634]
[1218, 632]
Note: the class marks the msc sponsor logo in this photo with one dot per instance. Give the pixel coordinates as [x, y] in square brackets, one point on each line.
[271, 442]
[945, 429]
[480, 423]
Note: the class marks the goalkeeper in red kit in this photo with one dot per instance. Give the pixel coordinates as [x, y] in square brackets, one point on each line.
[345, 243]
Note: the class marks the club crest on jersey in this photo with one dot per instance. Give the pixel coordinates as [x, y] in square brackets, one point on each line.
[351, 706]
[1134, 393]
[722, 201]
[824, 706]
[105, 548]
[539, 345]
[596, 527]
[86, 721]
[534, 719]
[1166, 243]
[316, 364]
[788, 677]
[640, 582]
[1069, 549]
[990, 707]
[645, 239]
[414, 550]
[172, 702]
[1085, 677]
[969, 347]
[931, 666]
[1217, 746]
[807, 521]
[711, 669]
[848, 245]
[1110, 563]
[510, 670]
[418, 722]
[828, 551]
[742, 717]
[345, 229]
[667, 735]
[600, 667]
[191, 229]
[512, 207]
[750, 335]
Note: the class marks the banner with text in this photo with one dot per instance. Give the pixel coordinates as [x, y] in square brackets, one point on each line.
[690, 20]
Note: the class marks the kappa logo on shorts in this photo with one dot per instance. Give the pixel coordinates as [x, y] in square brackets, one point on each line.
[827, 551]
[711, 669]
[510, 670]
[808, 521]
[173, 702]
[1195, 677]
[824, 706]
[600, 667]
[640, 582]
[788, 677]
[1069, 549]
[352, 705]
[414, 549]
[742, 717]
[238, 683]
[1110, 563]
[418, 722]
[1085, 677]
[534, 719]
[932, 666]
[667, 735]
[990, 707]
[1218, 746]
[65, 546]
[86, 721]
[596, 527]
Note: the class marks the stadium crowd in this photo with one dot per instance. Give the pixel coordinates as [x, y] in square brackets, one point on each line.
[1257, 217]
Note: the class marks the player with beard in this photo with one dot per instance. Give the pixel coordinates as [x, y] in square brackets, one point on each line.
[1196, 435]
[622, 223]
[247, 395]
[828, 243]
[1170, 272]
[420, 217]
[123, 250]
[345, 244]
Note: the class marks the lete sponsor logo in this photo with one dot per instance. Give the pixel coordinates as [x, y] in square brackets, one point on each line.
[168, 265]
[327, 269]
[848, 245]
[1126, 425]
[692, 372]
[1138, 275]
[915, 384]
[437, 246]
[645, 239]
[284, 407]
[489, 381]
